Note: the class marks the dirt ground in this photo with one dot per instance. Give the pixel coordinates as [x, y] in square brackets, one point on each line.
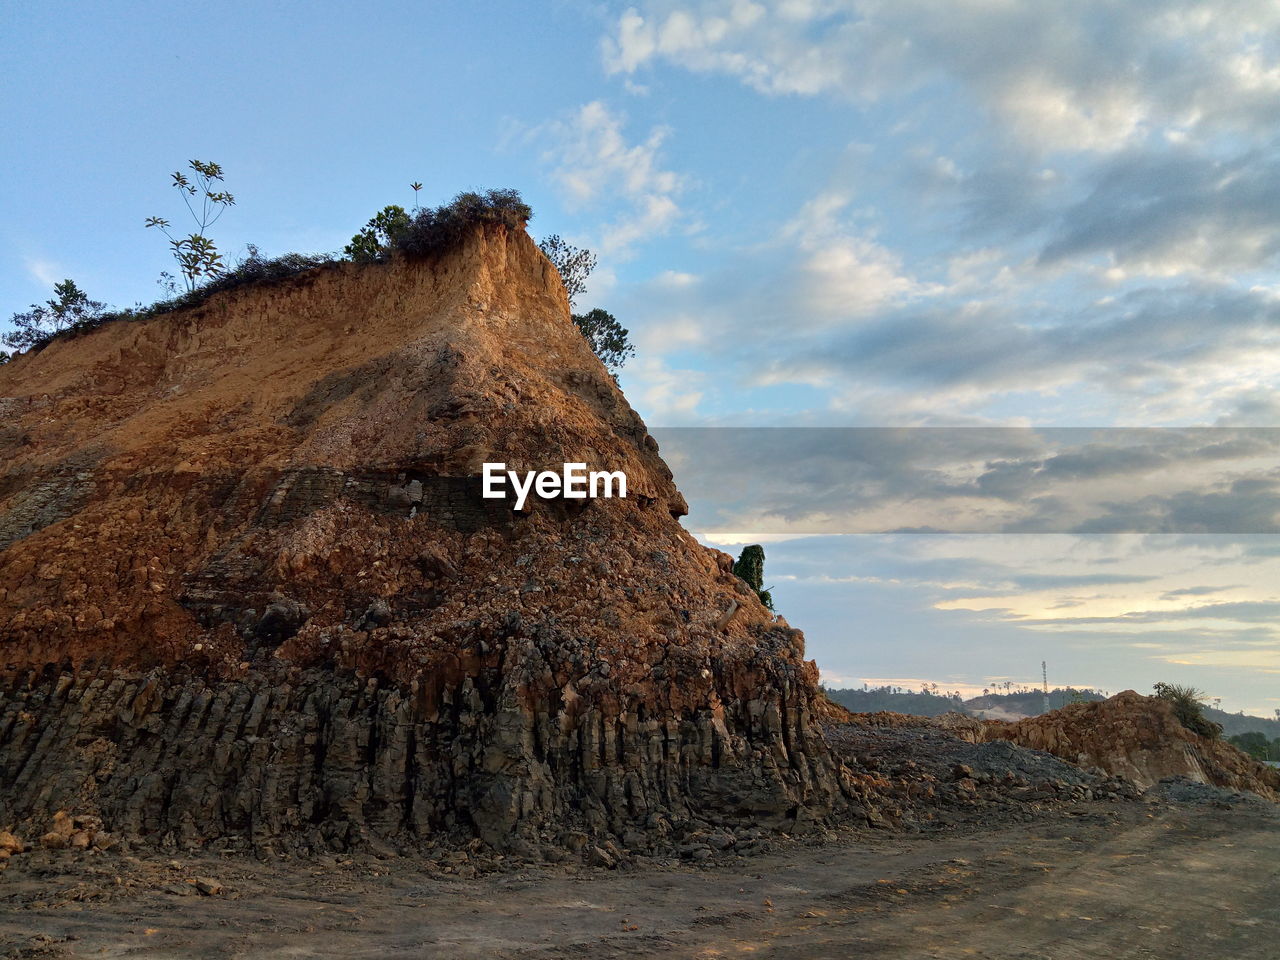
[1151, 879]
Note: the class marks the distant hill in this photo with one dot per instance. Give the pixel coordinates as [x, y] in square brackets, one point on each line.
[1013, 705]
[1030, 703]
[1233, 723]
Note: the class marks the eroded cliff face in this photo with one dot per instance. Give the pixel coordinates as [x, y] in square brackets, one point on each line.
[1138, 738]
[248, 586]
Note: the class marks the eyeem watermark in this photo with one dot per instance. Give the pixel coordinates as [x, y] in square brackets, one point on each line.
[573, 482]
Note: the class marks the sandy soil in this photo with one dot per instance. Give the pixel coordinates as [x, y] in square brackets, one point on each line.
[1134, 879]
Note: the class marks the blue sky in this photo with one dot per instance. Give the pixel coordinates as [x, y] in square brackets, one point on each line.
[809, 212]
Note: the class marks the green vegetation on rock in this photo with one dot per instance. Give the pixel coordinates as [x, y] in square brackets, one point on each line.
[380, 235]
[750, 568]
[609, 340]
[428, 232]
[1188, 706]
[70, 310]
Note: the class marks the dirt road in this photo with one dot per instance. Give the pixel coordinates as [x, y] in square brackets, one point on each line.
[1133, 879]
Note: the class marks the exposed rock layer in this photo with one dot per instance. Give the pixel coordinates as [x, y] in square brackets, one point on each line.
[318, 761]
[248, 586]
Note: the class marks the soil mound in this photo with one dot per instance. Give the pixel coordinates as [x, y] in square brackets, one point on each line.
[928, 772]
[1140, 739]
[249, 587]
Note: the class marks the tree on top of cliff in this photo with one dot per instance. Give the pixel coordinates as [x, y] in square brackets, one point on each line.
[197, 255]
[71, 310]
[380, 234]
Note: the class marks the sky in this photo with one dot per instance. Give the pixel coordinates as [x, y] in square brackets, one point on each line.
[825, 218]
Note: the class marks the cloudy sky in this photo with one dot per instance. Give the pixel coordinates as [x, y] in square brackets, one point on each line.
[936, 216]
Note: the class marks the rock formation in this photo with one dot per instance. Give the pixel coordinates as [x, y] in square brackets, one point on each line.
[249, 589]
[1140, 739]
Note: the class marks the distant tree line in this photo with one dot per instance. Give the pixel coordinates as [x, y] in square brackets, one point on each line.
[1029, 701]
[1237, 723]
[895, 699]
[1256, 745]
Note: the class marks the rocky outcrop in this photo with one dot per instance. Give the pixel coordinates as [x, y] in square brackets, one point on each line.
[1140, 739]
[249, 590]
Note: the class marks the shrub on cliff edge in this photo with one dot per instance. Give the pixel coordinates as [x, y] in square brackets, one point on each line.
[436, 230]
[574, 264]
[254, 268]
[749, 567]
[1188, 707]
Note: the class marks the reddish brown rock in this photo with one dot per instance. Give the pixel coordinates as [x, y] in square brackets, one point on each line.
[249, 589]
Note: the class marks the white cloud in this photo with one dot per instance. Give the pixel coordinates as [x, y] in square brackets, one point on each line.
[1075, 208]
[675, 279]
[675, 332]
[666, 395]
[1055, 116]
[45, 271]
[597, 167]
[1092, 75]
[844, 274]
